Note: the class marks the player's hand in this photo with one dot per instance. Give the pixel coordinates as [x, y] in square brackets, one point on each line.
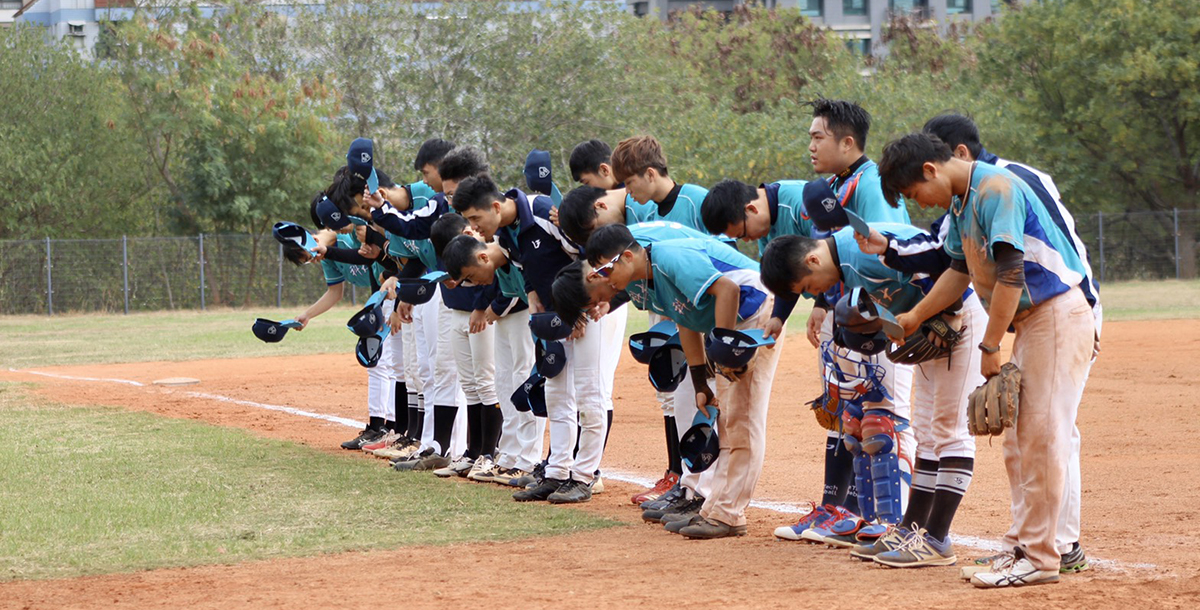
[490, 316]
[773, 328]
[875, 244]
[706, 399]
[370, 251]
[303, 320]
[599, 310]
[580, 329]
[393, 322]
[374, 200]
[319, 256]
[813, 328]
[389, 286]
[909, 323]
[404, 310]
[535, 304]
[478, 321]
[554, 216]
[990, 364]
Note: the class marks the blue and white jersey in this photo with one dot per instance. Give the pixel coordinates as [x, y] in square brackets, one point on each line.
[1002, 208]
[1043, 186]
[416, 222]
[785, 201]
[648, 233]
[685, 209]
[536, 245]
[682, 270]
[896, 290]
[862, 193]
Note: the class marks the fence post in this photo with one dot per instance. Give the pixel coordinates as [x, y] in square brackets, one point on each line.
[353, 294]
[49, 282]
[1176, 243]
[125, 268]
[1100, 215]
[279, 282]
[201, 272]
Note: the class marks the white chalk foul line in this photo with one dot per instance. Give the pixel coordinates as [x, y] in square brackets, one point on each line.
[615, 475]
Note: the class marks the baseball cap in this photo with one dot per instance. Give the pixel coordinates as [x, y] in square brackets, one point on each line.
[551, 357]
[538, 176]
[734, 348]
[420, 290]
[531, 395]
[642, 345]
[855, 311]
[822, 207]
[867, 344]
[668, 366]
[368, 320]
[700, 446]
[330, 215]
[290, 232]
[360, 160]
[370, 348]
[549, 326]
[271, 331]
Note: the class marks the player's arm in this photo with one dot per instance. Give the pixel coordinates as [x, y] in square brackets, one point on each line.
[945, 292]
[333, 295]
[1006, 297]
[692, 343]
[725, 293]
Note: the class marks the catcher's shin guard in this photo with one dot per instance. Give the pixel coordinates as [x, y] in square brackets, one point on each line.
[862, 479]
[891, 469]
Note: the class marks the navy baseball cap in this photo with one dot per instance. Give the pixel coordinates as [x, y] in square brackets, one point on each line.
[867, 344]
[538, 177]
[668, 366]
[549, 326]
[643, 345]
[822, 207]
[290, 232]
[368, 320]
[734, 348]
[700, 446]
[856, 312]
[271, 331]
[360, 160]
[531, 395]
[370, 348]
[551, 358]
[420, 290]
[330, 215]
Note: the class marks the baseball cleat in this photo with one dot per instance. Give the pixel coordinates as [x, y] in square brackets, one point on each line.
[1020, 573]
[818, 516]
[402, 447]
[481, 465]
[597, 485]
[407, 463]
[515, 477]
[683, 511]
[894, 538]
[456, 468]
[668, 480]
[1074, 561]
[708, 529]
[365, 437]
[388, 438]
[839, 531]
[999, 561]
[670, 497]
[675, 526]
[571, 492]
[539, 492]
[920, 550]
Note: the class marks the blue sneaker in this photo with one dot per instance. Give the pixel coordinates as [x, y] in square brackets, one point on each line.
[919, 551]
[819, 516]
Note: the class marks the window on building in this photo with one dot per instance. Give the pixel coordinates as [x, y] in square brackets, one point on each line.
[10, 5]
[954, 7]
[919, 8]
[812, 8]
[862, 46]
[641, 8]
[75, 29]
[999, 5]
[854, 7]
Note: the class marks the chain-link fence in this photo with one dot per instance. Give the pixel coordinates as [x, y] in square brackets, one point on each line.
[153, 273]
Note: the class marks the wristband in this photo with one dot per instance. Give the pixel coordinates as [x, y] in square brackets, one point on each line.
[988, 350]
[700, 376]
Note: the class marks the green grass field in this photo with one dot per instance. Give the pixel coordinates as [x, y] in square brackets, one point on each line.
[190, 335]
[100, 490]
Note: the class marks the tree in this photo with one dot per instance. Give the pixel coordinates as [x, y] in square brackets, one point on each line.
[1111, 90]
[65, 155]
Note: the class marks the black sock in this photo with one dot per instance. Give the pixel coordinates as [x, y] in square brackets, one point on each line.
[400, 407]
[443, 426]
[376, 423]
[607, 429]
[839, 473]
[493, 420]
[953, 479]
[389, 425]
[674, 463]
[415, 419]
[920, 495]
[474, 430]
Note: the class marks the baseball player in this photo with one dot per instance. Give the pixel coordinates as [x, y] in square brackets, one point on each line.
[961, 134]
[1027, 273]
[591, 165]
[701, 284]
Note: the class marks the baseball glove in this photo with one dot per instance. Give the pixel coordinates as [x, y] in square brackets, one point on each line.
[934, 339]
[826, 409]
[993, 406]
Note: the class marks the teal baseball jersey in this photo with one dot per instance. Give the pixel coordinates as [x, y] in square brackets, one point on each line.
[785, 200]
[862, 193]
[685, 210]
[1002, 208]
[358, 275]
[895, 290]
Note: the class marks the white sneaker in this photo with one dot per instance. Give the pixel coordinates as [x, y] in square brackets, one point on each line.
[483, 470]
[459, 467]
[1019, 574]
[1000, 561]
[597, 485]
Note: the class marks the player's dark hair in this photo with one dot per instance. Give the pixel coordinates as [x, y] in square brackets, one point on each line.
[901, 165]
[460, 254]
[783, 262]
[312, 209]
[586, 158]
[725, 205]
[843, 118]
[431, 152]
[609, 241]
[444, 229]
[346, 185]
[954, 129]
[577, 213]
[294, 254]
[570, 293]
[462, 162]
[476, 193]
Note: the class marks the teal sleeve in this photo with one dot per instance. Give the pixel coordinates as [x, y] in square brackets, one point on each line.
[1001, 213]
[690, 271]
[953, 244]
[870, 204]
[333, 273]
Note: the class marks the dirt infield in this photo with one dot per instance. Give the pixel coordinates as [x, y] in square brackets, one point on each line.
[1139, 502]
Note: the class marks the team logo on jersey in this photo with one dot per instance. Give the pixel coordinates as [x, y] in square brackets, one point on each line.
[537, 243]
[829, 203]
[887, 294]
[543, 172]
[366, 157]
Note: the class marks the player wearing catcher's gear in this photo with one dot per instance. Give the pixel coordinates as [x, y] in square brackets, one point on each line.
[1027, 274]
[701, 284]
[962, 136]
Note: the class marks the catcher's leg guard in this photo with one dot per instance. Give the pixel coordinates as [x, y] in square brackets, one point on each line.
[862, 478]
[891, 471]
